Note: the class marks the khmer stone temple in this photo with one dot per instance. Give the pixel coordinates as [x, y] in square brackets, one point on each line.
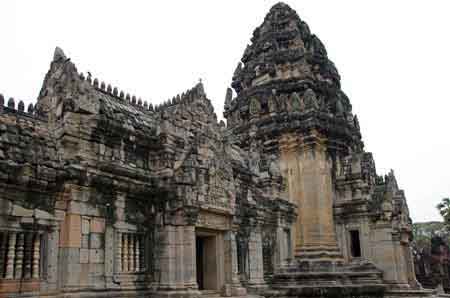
[106, 195]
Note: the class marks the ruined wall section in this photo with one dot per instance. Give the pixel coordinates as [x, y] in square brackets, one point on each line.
[117, 190]
[375, 208]
[195, 146]
[30, 167]
[30, 177]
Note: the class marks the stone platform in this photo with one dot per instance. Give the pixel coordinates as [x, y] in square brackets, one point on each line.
[328, 278]
[334, 278]
[420, 293]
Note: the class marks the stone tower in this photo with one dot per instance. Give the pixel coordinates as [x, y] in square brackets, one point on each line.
[289, 101]
[105, 194]
[290, 108]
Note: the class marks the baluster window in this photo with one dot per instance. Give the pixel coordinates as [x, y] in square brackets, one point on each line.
[20, 255]
[130, 253]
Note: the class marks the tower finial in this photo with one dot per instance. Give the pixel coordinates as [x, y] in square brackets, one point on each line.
[59, 55]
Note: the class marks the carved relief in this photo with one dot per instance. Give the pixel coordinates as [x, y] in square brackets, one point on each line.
[255, 106]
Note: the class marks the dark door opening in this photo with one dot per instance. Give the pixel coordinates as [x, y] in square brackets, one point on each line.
[355, 244]
[200, 250]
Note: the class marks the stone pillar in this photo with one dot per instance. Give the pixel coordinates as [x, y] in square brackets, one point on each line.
[411, 270]
[3, 242]
[36, 256]
[18, 267]
[119, 252]
[232, 286]
[11, 255]
[281, 248]
[307, 168]
[400, 262]
[124, 252]
[51, 269]
[111, 244]
[130, 252]
[180, 260]
[70, 273]
[166, 239]
[255, 259]
[28, 256]
[190, 270]
[177, 259]
[142, 260]
[387, 255]
[137, 266]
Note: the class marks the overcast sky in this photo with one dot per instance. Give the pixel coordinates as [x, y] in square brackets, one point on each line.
[393, 57]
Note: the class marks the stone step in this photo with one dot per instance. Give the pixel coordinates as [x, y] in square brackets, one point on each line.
[210, 293]
[217, 294]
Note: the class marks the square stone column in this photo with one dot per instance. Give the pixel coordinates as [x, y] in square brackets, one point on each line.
[232, 286]
[189, 254]
[282, 248]
[177, 261]
[69, 252]
[388, 255]
[165, 239]
[51, 251]
[255, 260]
[307, 168]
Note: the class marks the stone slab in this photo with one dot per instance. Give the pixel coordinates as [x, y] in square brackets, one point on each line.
[97, 225]
[70, 234]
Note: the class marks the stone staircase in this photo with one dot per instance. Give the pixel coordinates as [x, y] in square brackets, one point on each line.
[217, 294]
[210, 294]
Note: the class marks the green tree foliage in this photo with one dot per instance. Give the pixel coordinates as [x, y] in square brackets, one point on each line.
[424, 231]
[444, 209]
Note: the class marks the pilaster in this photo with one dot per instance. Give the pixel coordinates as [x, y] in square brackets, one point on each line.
[307, 168]
[232, 286]
[256, 270]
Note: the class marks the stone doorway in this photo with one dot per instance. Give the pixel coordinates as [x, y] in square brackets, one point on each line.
[208, 260]
[200, 251]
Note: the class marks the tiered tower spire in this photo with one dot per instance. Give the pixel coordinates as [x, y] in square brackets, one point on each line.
[284, 72]
[289, 96]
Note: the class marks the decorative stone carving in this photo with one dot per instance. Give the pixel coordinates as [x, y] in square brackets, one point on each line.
[119, 252]
[36, 255]
[310, 99]
[272, 102]
[339, 108]
[254, 107]
[296, 102]
[228, 98]
[125, 255]
[18, 260]
[11, 255]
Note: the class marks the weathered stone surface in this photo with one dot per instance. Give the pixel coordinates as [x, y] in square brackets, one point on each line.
[165, 200]
[96, 256]
[84, 256]
[97, 225]
[85, 226]
[96, 240]
[70, 235]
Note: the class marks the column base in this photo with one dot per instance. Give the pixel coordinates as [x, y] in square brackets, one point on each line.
[176, 294]
[331, 252]
[233, 290]
[257, 289]
[328, 278]
[421, 293]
